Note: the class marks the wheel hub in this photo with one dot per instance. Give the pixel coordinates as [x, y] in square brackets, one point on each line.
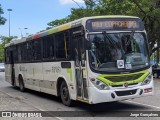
[65, 93]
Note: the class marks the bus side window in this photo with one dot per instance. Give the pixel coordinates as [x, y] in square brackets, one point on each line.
[15, 53]
[24, 52]
[67, 44]
[37, 49]
[51, 48]
[19, 54]
[48, 47]
[62, 45]
[59, 46]
[29, 51]
[7, 56]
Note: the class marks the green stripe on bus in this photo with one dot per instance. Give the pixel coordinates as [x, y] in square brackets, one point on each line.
[70, 72]
[110, 83]
[62, 28]
[115, 16]
[53, 31]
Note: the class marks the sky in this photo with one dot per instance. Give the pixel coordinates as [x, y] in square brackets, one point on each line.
[33, 14]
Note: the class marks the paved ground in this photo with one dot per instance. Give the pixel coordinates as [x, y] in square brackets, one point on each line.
[11, 99]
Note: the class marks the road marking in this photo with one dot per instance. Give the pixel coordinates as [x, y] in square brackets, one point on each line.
[143, 104]
[28, 102]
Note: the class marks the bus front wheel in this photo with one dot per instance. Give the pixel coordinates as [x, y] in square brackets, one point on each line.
[21, 84]
[65, 97]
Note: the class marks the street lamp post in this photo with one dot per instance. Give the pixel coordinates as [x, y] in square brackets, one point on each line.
[9, 10]
[26, 31]
[21, 32]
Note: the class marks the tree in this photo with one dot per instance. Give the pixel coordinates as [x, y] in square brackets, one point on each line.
[4, 40]
[96, 7]
[57, 22]
[2, 19]
[76, 13]
[147, 10]
[150, 12]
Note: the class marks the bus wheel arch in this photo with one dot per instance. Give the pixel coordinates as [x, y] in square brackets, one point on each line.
[63, 92]
[21, 83]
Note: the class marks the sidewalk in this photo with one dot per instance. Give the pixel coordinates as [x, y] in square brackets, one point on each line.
[11, 104]
[8, 103]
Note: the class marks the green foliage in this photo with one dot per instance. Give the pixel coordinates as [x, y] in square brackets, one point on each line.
[57, 22]
[4, 40]
[115, 7]
[150, 12]
[75, 14]
[147, 10]
[2, 19]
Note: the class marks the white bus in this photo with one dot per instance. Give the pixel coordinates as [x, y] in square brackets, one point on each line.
[93, 60]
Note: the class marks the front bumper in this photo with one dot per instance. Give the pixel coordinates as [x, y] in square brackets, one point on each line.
[118, 94]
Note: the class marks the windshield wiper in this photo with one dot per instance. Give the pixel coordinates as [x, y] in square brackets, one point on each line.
[109, 39]
[114, 44]
[130, 37]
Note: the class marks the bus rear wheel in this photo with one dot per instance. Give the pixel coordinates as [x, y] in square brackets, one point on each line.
[21, 84]
[65, 97]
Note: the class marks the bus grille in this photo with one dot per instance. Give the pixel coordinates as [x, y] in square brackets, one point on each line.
[124, 93]
[124, 78]
[122, 85]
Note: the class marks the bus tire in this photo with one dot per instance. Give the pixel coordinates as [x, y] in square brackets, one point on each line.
[64, 93]
[21, 84]
[14, 84]
[13, 78]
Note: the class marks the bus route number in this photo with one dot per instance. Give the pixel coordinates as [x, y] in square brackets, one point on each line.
[56, 69]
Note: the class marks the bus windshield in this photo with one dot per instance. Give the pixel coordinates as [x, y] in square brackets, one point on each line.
[118, 52]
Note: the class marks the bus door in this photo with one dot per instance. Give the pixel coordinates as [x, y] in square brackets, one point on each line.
[80, 67]
[12, 67]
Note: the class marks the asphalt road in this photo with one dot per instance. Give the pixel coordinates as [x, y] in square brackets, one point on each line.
[11, 99]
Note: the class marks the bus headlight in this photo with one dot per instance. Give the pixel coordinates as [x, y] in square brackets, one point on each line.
[99, 84]
[147, 80]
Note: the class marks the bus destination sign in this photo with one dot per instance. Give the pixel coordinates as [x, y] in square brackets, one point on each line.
[114, 24]
[99, 25]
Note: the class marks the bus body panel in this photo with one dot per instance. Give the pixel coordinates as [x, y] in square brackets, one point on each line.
[8, 73]
[45, 81]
